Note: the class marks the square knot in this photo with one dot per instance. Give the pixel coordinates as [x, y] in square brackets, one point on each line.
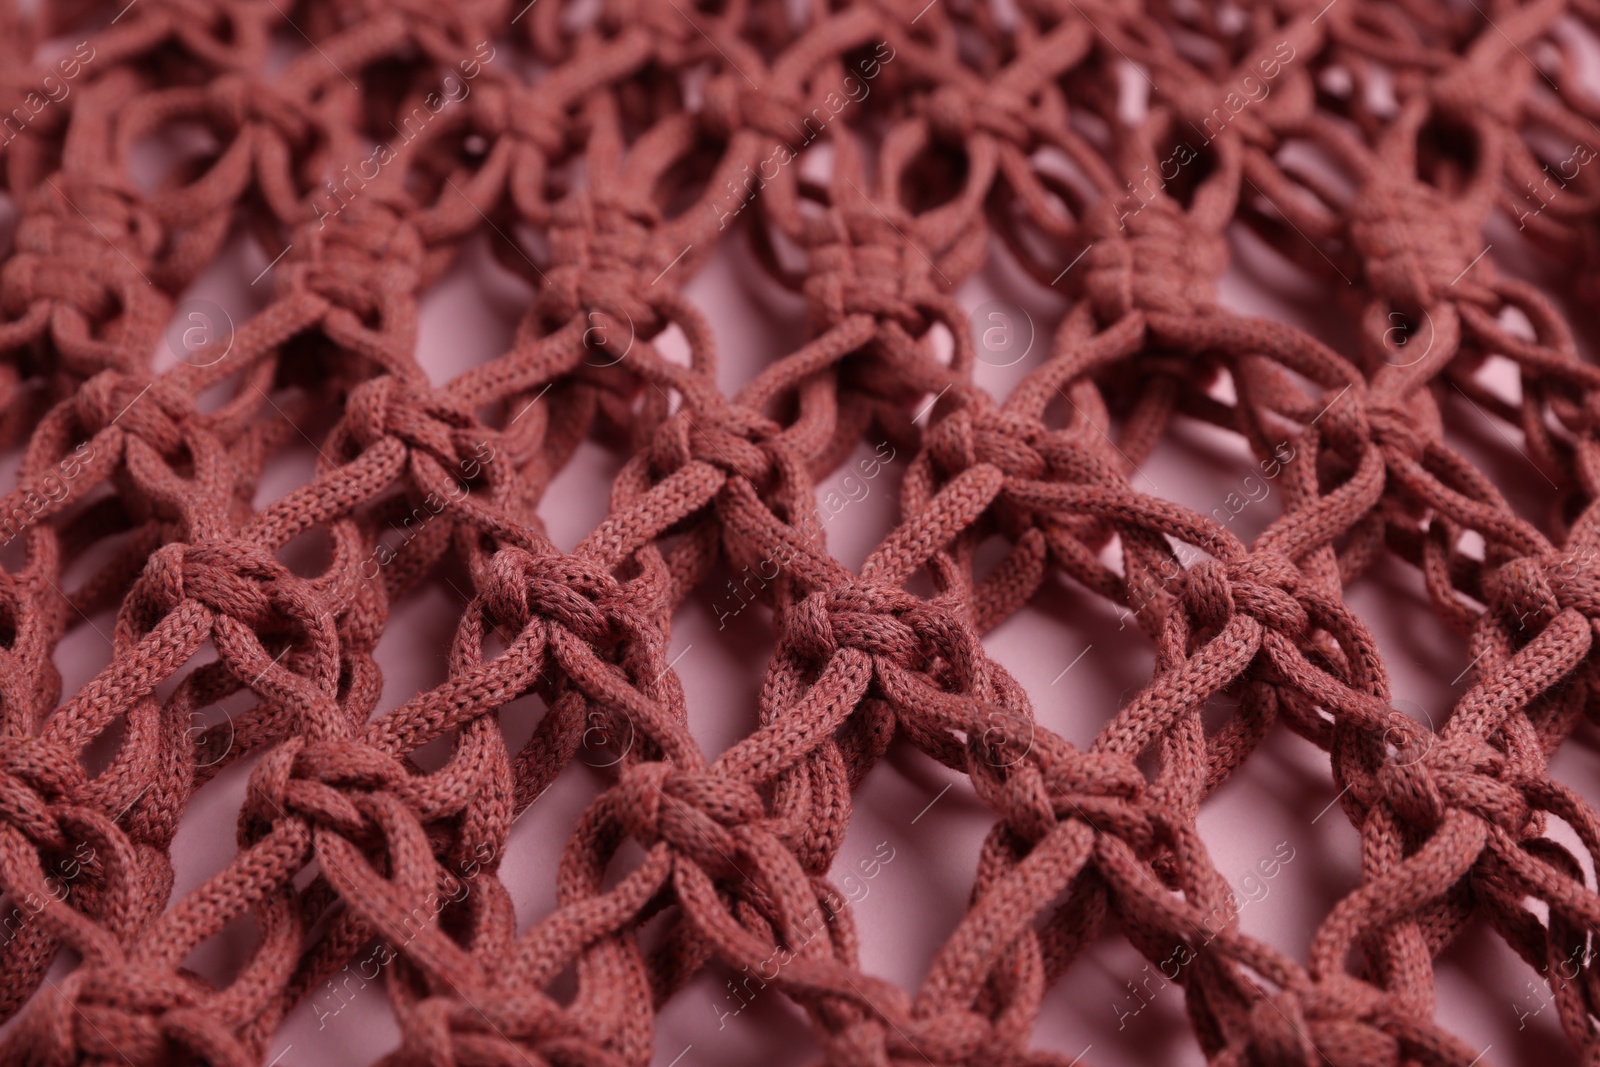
[246, 584]
[327, 784]
[235, 99]
[75, 275]
[1392, 427]
[954, 114]
[1412, 242]
[886, 624]
[366, 265]
[697, 813]
[1261, 585]
[508, 110]
[608, 297]
[1461, 773]
[1280, 1033]
[744, 448]
[1152, 260]
[1528, 592]
[879, 1033]
[1340, 1016]
[414, 414]
[878, 279]
[36, 776]
[968, 437]
[729, 106]
[956, 1036]
[142, 1013]
[572, 592]
[154, 412]
[1105, 790]
[485, 1027]
[605, 256]
[1461, 92]
[82, 222]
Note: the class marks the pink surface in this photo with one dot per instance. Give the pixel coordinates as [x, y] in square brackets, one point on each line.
[915, 836]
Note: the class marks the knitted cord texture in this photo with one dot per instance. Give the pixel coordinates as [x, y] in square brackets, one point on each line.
[871, 155]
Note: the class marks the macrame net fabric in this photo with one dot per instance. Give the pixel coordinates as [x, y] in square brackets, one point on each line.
[603, 153]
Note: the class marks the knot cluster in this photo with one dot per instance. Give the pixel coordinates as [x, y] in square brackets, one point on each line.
[870, 159]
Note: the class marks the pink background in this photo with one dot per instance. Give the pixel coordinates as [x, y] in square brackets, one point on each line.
[1077, 661]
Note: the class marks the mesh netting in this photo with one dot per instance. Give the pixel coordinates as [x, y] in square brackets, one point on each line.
[872, 157]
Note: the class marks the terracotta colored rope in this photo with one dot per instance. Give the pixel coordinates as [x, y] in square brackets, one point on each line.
[871, 155]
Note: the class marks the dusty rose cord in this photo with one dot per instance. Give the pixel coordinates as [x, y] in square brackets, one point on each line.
[630, 142]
